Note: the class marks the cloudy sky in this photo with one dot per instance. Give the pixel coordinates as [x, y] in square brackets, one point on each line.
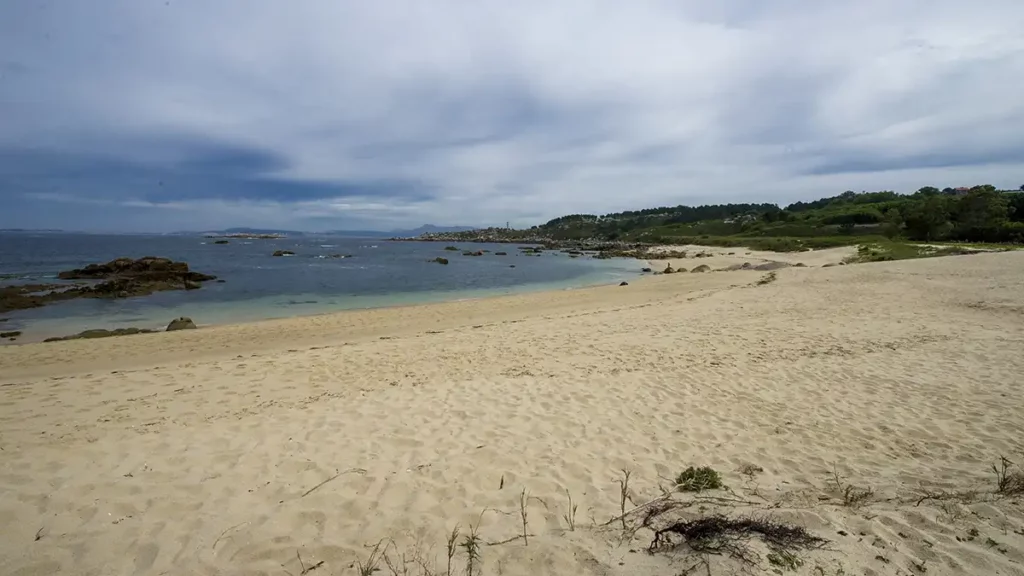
[193, 114]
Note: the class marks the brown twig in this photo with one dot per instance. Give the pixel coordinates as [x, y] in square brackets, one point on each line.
[311, 490]
[522, 512]
[226, 530]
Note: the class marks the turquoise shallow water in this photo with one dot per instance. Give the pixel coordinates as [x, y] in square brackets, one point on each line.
[259, 286]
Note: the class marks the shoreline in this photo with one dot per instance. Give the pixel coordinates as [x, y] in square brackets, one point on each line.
[76, 324]
[156, 319]
[214, 340]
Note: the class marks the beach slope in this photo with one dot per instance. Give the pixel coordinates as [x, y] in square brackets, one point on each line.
[865, 403]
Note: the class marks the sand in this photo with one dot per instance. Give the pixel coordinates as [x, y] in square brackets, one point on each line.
[724, 258]
[273, 447]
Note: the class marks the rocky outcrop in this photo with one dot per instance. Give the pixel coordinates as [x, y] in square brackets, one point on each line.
[452, 248]
[700, 269]
[645, 269]
[439, 260]
[623, 283]
[183, 323]
[12, 334]
[501, 253]
[769, 266]
[100, 333]
[221, 242]
[121, 278]
[148, 268]
[669, 270]
[283, 253]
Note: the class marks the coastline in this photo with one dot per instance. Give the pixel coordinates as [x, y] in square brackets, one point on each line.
[31, 359]
[154, 312]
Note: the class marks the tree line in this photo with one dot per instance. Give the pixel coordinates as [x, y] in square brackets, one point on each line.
[977, 214]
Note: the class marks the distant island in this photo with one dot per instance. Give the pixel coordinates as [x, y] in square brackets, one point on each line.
[266, 233]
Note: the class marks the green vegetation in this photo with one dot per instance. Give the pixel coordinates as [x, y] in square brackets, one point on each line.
[978, 214]
[698, 479]
[885, 250]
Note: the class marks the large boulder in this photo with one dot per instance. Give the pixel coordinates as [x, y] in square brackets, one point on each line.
[283, 253]
[701, 268]
[439, 260]
[183, 323]
[769, 266]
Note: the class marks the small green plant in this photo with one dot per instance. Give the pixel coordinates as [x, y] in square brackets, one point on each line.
[820, 570]
[570, 514]
[452, 543]
[624, 495]
[853, 496]
[471, 544]
[1008, 481]
[698, 479]
[751, 470]
[785, 560]
[372, 563]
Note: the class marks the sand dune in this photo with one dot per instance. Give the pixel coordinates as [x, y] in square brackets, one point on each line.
[271, 447]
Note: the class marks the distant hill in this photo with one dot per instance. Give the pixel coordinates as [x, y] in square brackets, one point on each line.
[430, 228]
[261, 231]
[425, 229]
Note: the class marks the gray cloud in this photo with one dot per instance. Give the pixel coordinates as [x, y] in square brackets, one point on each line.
[163, 114]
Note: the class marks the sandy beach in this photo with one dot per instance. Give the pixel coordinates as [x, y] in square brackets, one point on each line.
[293, 446]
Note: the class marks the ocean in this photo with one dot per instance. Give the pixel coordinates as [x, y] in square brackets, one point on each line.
[260, 286]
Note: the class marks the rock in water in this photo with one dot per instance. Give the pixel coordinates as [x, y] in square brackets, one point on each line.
[646, 270]
[283, 253]
[183, 323]
[221, 242]
[624, 284]
[121, 278]
[439, 260]
[100, 333]
[701, 268]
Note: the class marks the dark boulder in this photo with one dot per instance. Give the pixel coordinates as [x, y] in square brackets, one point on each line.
[501, 253]
[623, 283]
[645, 270]
[221, 242]
[183, 323]
[11, 334]
[700, 269]
[439, 260]
[283, 253]
[452, 248]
